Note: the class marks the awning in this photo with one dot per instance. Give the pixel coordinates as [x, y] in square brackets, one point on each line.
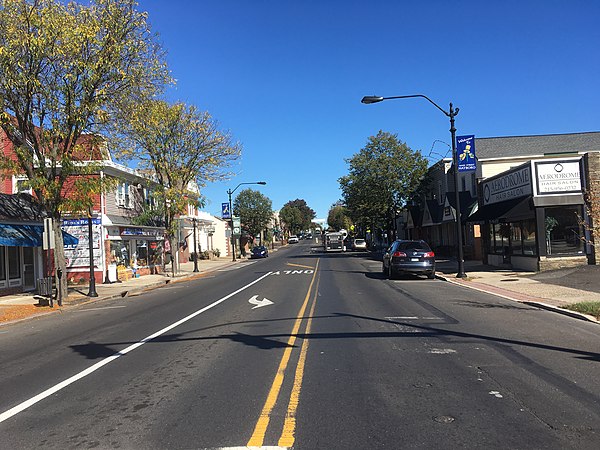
[28, 236]
[516, 209]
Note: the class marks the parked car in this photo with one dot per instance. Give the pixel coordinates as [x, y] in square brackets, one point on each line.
[409, 257]
[293, 239]
[260, 251]
[359, 245]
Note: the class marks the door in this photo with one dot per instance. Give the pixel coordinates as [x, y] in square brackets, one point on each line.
[28, 269]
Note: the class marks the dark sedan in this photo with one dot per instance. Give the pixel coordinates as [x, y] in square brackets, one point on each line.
[260, 251]
[409, 257]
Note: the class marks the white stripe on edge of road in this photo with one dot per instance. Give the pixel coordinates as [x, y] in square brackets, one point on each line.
[42, 395]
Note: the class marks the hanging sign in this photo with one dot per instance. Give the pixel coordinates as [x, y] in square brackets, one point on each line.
[465, 153]
[225, 212]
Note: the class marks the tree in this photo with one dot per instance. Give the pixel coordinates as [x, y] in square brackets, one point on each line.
[65, 69]
[296, 215]
[382, 177]
[254, 209]
[338, 218]
[182, 147]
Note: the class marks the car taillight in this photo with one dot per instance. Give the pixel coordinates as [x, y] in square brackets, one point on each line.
[429, 255]
[398, 254]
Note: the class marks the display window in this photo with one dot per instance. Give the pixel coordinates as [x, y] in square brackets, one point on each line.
[564, 231]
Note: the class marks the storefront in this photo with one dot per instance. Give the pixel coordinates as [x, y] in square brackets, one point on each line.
[135, 250]
[534, 216]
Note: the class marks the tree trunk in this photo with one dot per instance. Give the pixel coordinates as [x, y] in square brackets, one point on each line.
[60, 262]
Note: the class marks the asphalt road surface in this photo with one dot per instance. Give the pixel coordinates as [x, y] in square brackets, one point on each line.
[305, 350]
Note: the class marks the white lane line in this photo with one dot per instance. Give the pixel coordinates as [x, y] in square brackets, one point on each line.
[54, 389]
[100, 309]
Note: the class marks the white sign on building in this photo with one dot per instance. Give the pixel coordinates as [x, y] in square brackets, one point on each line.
[558, 177]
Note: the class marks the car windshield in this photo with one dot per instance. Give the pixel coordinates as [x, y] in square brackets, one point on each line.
[359, 241]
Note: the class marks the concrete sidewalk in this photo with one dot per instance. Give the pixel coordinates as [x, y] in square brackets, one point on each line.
[21, 306]
[517, 286]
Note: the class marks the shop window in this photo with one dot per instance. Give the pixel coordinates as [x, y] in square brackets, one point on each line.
[516, 243]
[528, 234]
[155, 252]
[141, 253]
[2, 264]
[119, 252]
[14, 262]
[563, 231]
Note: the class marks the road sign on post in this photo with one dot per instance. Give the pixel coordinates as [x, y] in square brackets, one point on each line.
[237, 227]
[48, 235]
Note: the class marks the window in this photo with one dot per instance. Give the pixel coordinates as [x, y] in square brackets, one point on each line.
[564, 233]
[123, 196]
[14, 262]
[21, 184]
[528, 234]
[149, 198]
[2, 263]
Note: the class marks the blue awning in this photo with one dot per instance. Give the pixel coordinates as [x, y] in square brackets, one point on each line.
[28, 236]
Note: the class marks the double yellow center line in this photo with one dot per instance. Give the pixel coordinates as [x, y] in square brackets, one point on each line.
[289, 426]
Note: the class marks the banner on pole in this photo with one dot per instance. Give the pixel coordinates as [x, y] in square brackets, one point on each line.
[465, 153]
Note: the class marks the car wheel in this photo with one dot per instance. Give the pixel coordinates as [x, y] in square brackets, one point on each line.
[391, 273]
[383, 269]
[431, 275]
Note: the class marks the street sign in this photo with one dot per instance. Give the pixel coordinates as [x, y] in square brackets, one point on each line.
[48, 235]
[237, 226]
[225, 212]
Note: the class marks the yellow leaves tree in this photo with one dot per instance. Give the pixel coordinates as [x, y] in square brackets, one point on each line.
[66, 70]
[183, 147]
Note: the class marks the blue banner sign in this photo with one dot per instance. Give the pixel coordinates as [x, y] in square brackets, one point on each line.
[225, 212]
[465, 153]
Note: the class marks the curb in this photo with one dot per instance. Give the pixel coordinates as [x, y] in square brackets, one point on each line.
[536, 304]
[84, 300]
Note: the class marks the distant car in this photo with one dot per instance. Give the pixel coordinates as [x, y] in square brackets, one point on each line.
[359, 245]
[260, 251]
[409, 257]
[293, 239]
[308, 236]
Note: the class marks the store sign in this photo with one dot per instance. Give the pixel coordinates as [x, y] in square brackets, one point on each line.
[558, 177]
[465, 153]
[134, 231]
[79, 255]
[514, 184]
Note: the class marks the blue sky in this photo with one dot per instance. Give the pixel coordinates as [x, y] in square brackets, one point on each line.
[286, 78]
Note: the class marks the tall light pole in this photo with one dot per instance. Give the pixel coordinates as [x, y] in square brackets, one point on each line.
[195, 247]
[92, 292]
[230, 192]
[451, 114]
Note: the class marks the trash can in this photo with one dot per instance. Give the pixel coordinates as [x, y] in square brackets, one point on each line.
[44, 286]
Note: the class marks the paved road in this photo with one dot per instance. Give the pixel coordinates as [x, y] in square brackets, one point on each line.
[341, 358]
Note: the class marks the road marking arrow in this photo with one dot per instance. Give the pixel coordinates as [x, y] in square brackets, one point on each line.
[264, 302]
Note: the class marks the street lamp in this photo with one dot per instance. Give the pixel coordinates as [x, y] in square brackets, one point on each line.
[195, 247]
[92, 292]
[451, 114]
[230, 192]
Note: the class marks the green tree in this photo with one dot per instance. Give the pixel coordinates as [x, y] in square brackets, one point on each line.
[296, 215]
[65, 69]
[338, 218]
[382, 177]
[254, 209]
[183, 148]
